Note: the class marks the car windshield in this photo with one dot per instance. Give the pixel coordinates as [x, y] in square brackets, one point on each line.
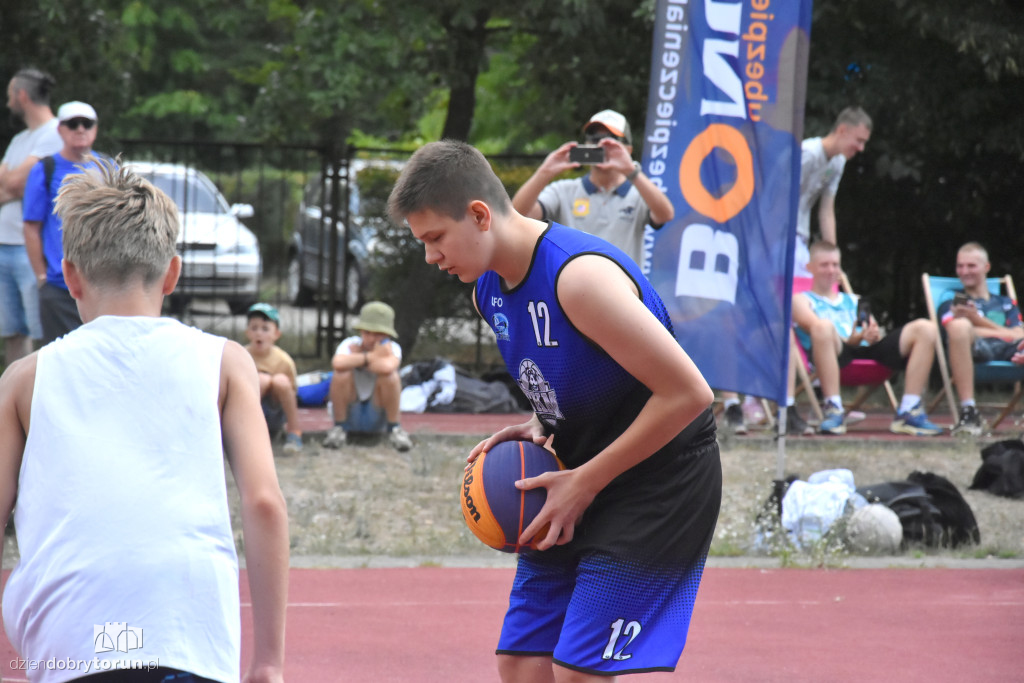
[190, 196]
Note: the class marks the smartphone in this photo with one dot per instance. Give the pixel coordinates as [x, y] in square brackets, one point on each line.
[863, 312]
[587, 154]
[961, 299]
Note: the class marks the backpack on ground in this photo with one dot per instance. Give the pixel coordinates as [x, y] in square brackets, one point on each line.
[919, 517]
[1002, 469]
[957, 519]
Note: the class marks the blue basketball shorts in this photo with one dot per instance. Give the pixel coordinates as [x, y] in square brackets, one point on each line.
[601, 615]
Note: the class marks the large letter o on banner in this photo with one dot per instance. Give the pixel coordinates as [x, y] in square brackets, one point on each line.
[719, 209]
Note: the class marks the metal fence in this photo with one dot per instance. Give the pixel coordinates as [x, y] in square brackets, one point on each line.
[315, 274]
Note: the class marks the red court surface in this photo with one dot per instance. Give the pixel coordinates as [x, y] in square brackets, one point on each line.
[440, 625]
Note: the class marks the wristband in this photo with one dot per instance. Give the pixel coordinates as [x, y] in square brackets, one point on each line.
[631, 176]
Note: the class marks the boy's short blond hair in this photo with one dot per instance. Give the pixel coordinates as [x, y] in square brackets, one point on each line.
[117, 225]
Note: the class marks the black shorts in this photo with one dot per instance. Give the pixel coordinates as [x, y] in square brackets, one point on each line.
[885, 351]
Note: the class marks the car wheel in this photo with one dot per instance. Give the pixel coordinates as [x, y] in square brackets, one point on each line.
[298, 294]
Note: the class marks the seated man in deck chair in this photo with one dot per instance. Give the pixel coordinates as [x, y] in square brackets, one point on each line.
[982, 327]
[829, 331]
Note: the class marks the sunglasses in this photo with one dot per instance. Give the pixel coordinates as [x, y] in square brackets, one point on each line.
[597, 136]
[79, 122]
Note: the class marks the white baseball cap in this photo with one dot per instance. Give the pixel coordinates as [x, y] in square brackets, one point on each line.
[614, 122]
[76, 110]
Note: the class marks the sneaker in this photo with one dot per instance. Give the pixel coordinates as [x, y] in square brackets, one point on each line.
[969, 423]
[335, 438]
[753, 413]
[915, 423]
[292, 443]
[734, 419]
[833, 420]
[796, 425]
[400, 439]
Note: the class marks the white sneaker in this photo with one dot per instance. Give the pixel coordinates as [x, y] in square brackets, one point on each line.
[335, 438]
[400, 439]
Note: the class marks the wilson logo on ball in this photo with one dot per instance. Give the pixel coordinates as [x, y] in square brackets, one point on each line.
[494, 509]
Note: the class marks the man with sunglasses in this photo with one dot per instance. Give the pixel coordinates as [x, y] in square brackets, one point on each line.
[614, 201]
[28, 98]
[44, 233]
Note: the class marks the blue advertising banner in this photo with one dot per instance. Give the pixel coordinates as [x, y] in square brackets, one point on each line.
[722, 140]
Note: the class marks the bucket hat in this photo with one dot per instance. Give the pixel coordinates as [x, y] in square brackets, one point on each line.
[376, 316]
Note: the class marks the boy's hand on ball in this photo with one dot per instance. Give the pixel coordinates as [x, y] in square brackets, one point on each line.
[528, 431]
[567, 500]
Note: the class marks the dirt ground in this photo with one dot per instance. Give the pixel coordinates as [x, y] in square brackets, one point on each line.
[367, 500]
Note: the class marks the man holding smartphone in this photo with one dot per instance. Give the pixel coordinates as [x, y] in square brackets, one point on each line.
[980, 327]
[830, 331]
[614, 200]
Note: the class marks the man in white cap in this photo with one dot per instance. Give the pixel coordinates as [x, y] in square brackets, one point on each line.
[44, 233]
[366, 389]
[28, 98]
[614, 201]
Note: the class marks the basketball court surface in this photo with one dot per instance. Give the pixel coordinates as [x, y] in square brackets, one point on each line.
[895, 621]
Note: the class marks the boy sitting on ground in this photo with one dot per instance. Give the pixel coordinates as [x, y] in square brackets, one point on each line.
[277, 374]
[829, 331]
[112, 459]
[366, 389]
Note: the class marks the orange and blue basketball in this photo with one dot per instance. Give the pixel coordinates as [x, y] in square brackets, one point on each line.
[495, 510]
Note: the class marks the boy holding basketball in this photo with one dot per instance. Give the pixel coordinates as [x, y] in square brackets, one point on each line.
[611, 587]
[111, 457]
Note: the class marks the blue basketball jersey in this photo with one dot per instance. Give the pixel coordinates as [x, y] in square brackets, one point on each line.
[577, 390]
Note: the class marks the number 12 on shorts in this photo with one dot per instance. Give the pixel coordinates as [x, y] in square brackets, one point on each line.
[615, 648]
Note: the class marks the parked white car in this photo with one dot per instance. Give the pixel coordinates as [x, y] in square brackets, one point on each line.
[220, 256]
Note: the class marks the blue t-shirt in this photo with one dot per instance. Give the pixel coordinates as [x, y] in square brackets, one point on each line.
[37, 205]
[841, 312]
[579, 392]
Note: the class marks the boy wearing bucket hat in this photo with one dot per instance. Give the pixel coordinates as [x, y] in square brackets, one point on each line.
[365, 387]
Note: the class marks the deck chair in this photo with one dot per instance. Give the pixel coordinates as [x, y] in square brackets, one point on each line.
[867, 375]
[938, 290]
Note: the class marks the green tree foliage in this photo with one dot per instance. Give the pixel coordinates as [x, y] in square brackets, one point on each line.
[943, 82]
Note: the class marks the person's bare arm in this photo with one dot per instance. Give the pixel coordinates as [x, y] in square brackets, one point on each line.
[658, 205]
[803, 315]
[382, 359]
[525, 199]
[983, 327]
[12, 179]
[827, 218]
[615, 319]
[16, 386]
[264, 514]
[34, 247]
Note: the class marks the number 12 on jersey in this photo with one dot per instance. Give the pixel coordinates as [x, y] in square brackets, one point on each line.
[541, 317]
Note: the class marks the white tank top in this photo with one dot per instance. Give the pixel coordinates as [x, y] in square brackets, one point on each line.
[122, 515]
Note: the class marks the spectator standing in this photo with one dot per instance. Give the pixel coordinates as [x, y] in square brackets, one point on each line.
[986, 327]
[78, 126]
[614, 200]
[28, 98]
[822, 161]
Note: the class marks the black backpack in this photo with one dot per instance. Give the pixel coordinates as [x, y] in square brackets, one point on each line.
[1002, 469]
[957, 519]
[919, 517]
